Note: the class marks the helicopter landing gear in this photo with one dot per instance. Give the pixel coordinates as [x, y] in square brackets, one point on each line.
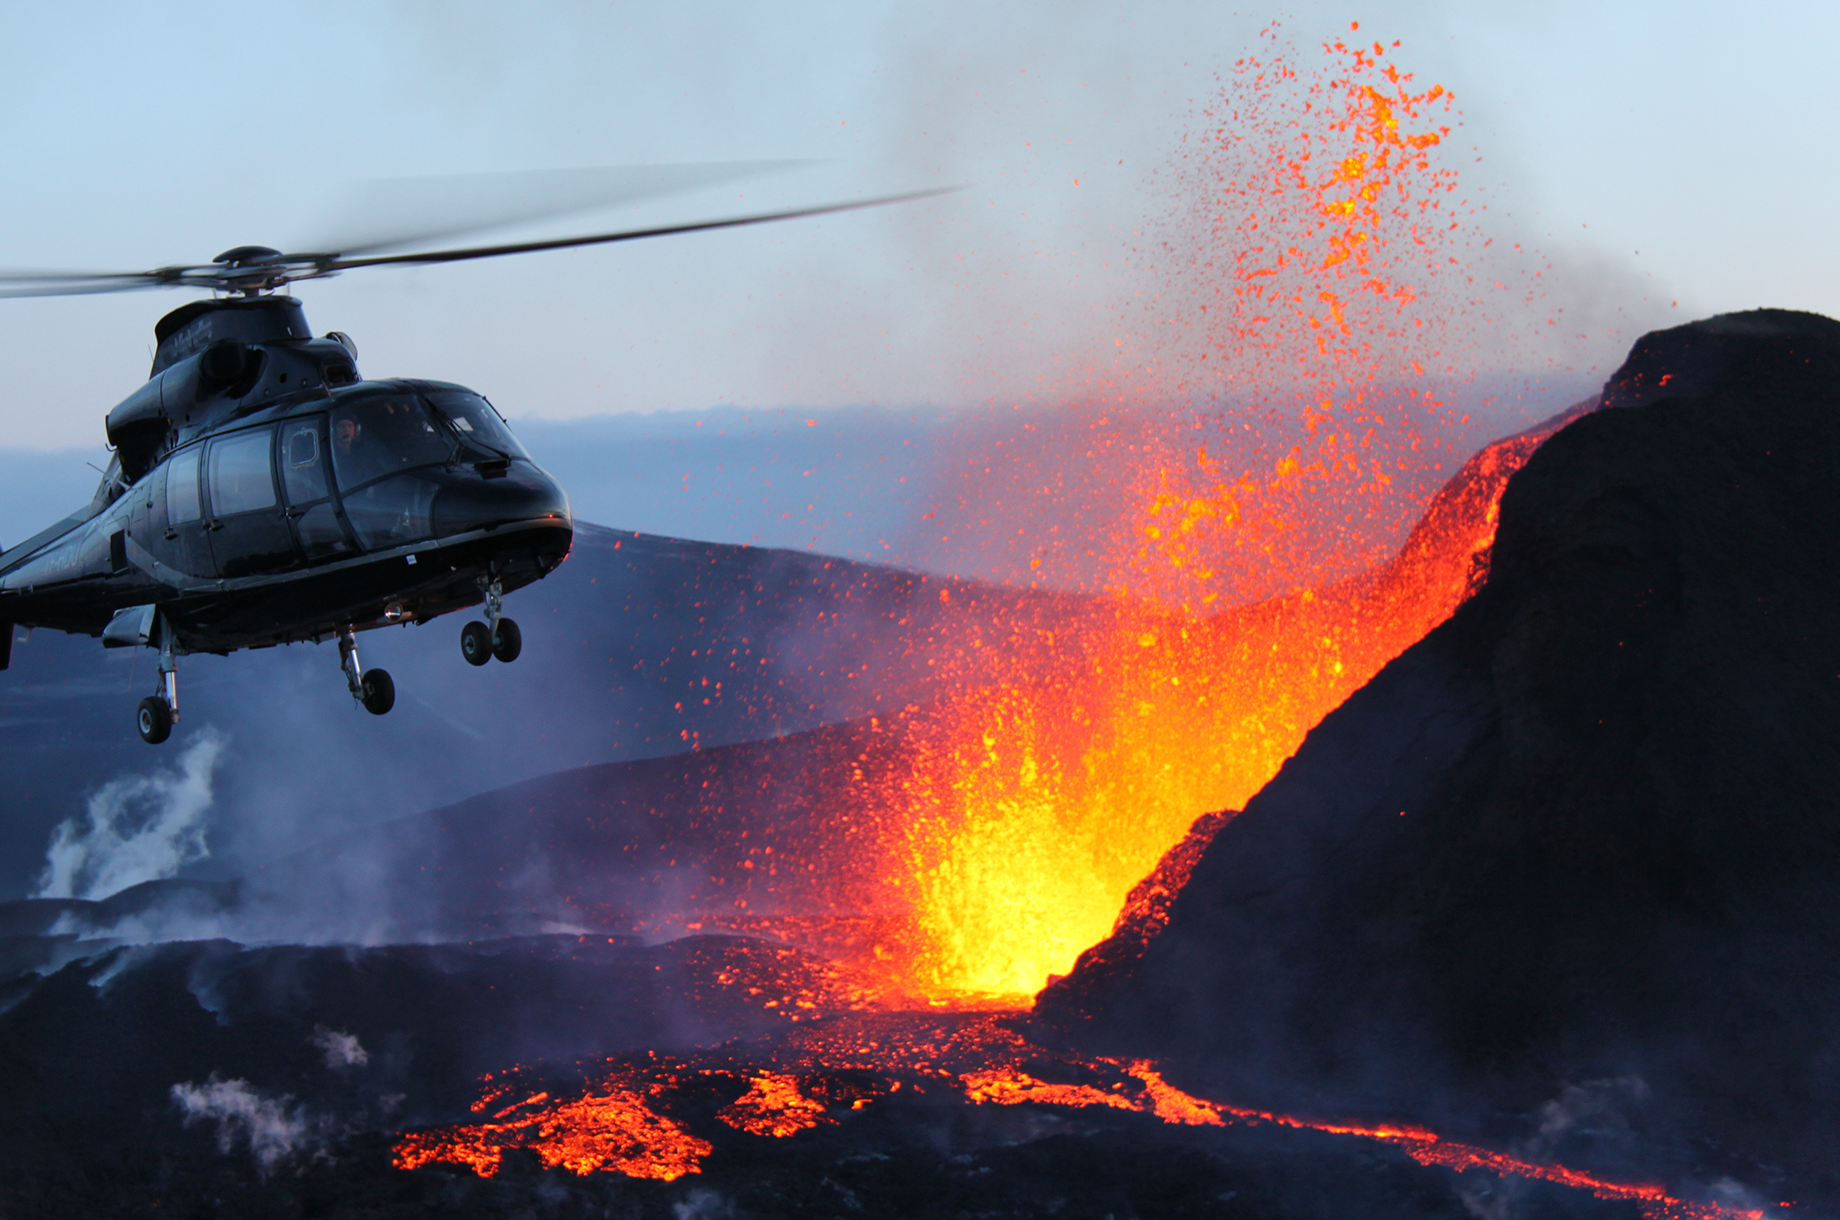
[507, 641]
[497, 637]
[157, 713]
[154, 720]
[476, 643]
[373, 689]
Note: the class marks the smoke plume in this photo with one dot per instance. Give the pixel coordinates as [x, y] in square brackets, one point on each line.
[342, 1050]
[138, 828]
[270, 1127]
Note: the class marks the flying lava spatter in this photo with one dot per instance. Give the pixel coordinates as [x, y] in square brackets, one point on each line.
[1321, 221]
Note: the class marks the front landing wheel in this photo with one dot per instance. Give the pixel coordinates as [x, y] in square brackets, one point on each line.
[154, 720]
[379, 691]
[508, 641]
[476, 643]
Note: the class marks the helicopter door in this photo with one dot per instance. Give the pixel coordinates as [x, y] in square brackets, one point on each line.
[248, 528]
[318, 528]
[183, 542]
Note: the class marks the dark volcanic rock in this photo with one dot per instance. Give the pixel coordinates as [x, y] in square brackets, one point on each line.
[90, 1054]
[1588, 828]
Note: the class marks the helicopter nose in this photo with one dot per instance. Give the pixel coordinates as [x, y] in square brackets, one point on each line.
[498, 495]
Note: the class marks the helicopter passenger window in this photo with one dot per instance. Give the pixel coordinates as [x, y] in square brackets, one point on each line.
[474, 418]
[376, 436]
[241, 481]
[303, 469]
[182, 487]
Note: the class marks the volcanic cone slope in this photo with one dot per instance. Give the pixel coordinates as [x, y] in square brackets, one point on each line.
[1585, 829]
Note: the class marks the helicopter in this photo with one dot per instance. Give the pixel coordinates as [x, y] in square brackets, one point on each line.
[260, 491]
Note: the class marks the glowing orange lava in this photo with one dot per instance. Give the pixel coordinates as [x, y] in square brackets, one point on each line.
[1034, 805]
[611, 1128]
[616, 1126]
[773, 1106]
[964, 850]
[1426, 1147]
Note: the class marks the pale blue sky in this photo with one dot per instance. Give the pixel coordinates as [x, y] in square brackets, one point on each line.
[1698, 135]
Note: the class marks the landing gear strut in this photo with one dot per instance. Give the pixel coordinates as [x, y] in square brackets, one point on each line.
[158, 713]
[498, 636]
[373, 689]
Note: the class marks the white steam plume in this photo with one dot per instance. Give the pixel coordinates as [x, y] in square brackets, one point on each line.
[138, 828]
[270, 1127]
[342, 1050]
[708, 1205]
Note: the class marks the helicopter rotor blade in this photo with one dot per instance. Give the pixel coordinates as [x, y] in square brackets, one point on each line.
[339, 263]
[388, 213]
[82, 283]
[261, 270]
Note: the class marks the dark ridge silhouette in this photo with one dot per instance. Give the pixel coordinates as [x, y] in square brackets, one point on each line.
[1589, 828]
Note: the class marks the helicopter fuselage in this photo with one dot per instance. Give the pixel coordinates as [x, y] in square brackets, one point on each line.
[261, 494]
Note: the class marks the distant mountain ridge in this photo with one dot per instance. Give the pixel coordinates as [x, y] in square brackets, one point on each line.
[637, 646]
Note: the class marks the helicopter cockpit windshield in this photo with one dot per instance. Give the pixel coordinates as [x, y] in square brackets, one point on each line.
[477, 422]
[387, 444]
[380, 435]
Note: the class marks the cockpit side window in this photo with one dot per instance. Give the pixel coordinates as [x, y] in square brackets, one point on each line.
[182, 501]
[476, 421]
[303, 468]
[240, 478]
[380, 435]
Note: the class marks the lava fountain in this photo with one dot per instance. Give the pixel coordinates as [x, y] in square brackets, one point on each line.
[1325, 227]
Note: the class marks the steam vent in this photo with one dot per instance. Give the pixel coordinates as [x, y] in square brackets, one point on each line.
[1541, 918]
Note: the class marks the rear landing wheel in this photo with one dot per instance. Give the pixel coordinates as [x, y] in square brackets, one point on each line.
[508, 641]
[379, 692]
[476, 643]
[154, 720]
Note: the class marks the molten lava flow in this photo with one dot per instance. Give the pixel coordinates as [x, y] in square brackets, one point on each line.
[773, 1106]
[1008, 1086]
[788, 1084]
[610, 1128]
